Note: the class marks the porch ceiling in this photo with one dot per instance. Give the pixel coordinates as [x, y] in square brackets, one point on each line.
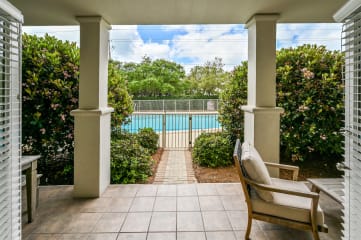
[118, 12]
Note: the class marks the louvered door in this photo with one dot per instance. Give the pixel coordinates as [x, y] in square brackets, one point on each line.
[351, 43]
[10, 123]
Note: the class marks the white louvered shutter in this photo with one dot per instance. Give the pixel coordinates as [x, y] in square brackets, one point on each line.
[351, 44]
[10, 123]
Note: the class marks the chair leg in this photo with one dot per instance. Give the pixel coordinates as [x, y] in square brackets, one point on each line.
[315, 234]
[249, 226]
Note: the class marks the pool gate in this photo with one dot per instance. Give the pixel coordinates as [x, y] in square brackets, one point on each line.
[177, 130]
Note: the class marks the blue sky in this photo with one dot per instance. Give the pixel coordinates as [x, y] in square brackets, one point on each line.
[192, 45]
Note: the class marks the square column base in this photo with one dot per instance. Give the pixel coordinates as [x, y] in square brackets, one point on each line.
[92, 152]
[262, 130]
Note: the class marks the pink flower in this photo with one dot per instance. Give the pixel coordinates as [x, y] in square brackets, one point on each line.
[307, 73]
[66, 75]
[294, 157]
[303, 108]
[323, 137]
[42, 130]
[54, 106]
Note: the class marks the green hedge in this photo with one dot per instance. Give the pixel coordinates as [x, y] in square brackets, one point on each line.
[50, 87]
[176, 97]
[118, 96]
[131, 162]
[310, 89]
[213, 150]
[148, 139]
[50, 91]
[232, 97]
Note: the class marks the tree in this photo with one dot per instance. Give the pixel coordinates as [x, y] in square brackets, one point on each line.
[154, 78]
[118, 96]
[232, 98]
[207, 80]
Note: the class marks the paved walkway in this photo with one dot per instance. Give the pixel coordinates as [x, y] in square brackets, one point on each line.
[175, 167]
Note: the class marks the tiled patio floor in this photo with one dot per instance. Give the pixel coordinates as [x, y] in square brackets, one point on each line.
[157, 212]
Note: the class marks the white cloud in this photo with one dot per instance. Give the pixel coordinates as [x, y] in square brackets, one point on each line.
[190, 45]
[195, 44]
[204, 43]
[127, 45]
[291, 35]
[123, 41]
[152, 50]
[65, 33]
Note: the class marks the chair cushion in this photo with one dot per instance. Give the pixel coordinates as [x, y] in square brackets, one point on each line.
[256, 169]
[288, 206]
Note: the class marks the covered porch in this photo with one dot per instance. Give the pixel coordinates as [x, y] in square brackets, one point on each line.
[92, 118]
[94, 209]
[169, 212]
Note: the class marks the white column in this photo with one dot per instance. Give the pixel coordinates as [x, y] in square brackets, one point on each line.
[262, 117]
[92, 119]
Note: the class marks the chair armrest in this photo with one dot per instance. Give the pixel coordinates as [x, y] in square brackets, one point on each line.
[278, 189]
[294, 169]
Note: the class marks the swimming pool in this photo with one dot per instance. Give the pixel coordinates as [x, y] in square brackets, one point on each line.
[173, 122]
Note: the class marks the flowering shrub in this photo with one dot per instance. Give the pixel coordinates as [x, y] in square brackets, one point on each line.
[50, 86]
[50, 74]
[50, 91]
[310, 89]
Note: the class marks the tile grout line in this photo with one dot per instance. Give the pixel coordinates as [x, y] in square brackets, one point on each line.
[151, 215]
[127, 213]
[176, 213]
[200, 210]
[226, 212]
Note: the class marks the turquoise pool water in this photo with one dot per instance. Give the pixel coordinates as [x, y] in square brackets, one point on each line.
[174, 122]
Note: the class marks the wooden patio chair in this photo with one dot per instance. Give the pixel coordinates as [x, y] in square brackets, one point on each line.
[284, 202]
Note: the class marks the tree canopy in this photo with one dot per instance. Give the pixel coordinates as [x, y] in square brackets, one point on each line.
[163, 78]
[207, 80]
[154, 78]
